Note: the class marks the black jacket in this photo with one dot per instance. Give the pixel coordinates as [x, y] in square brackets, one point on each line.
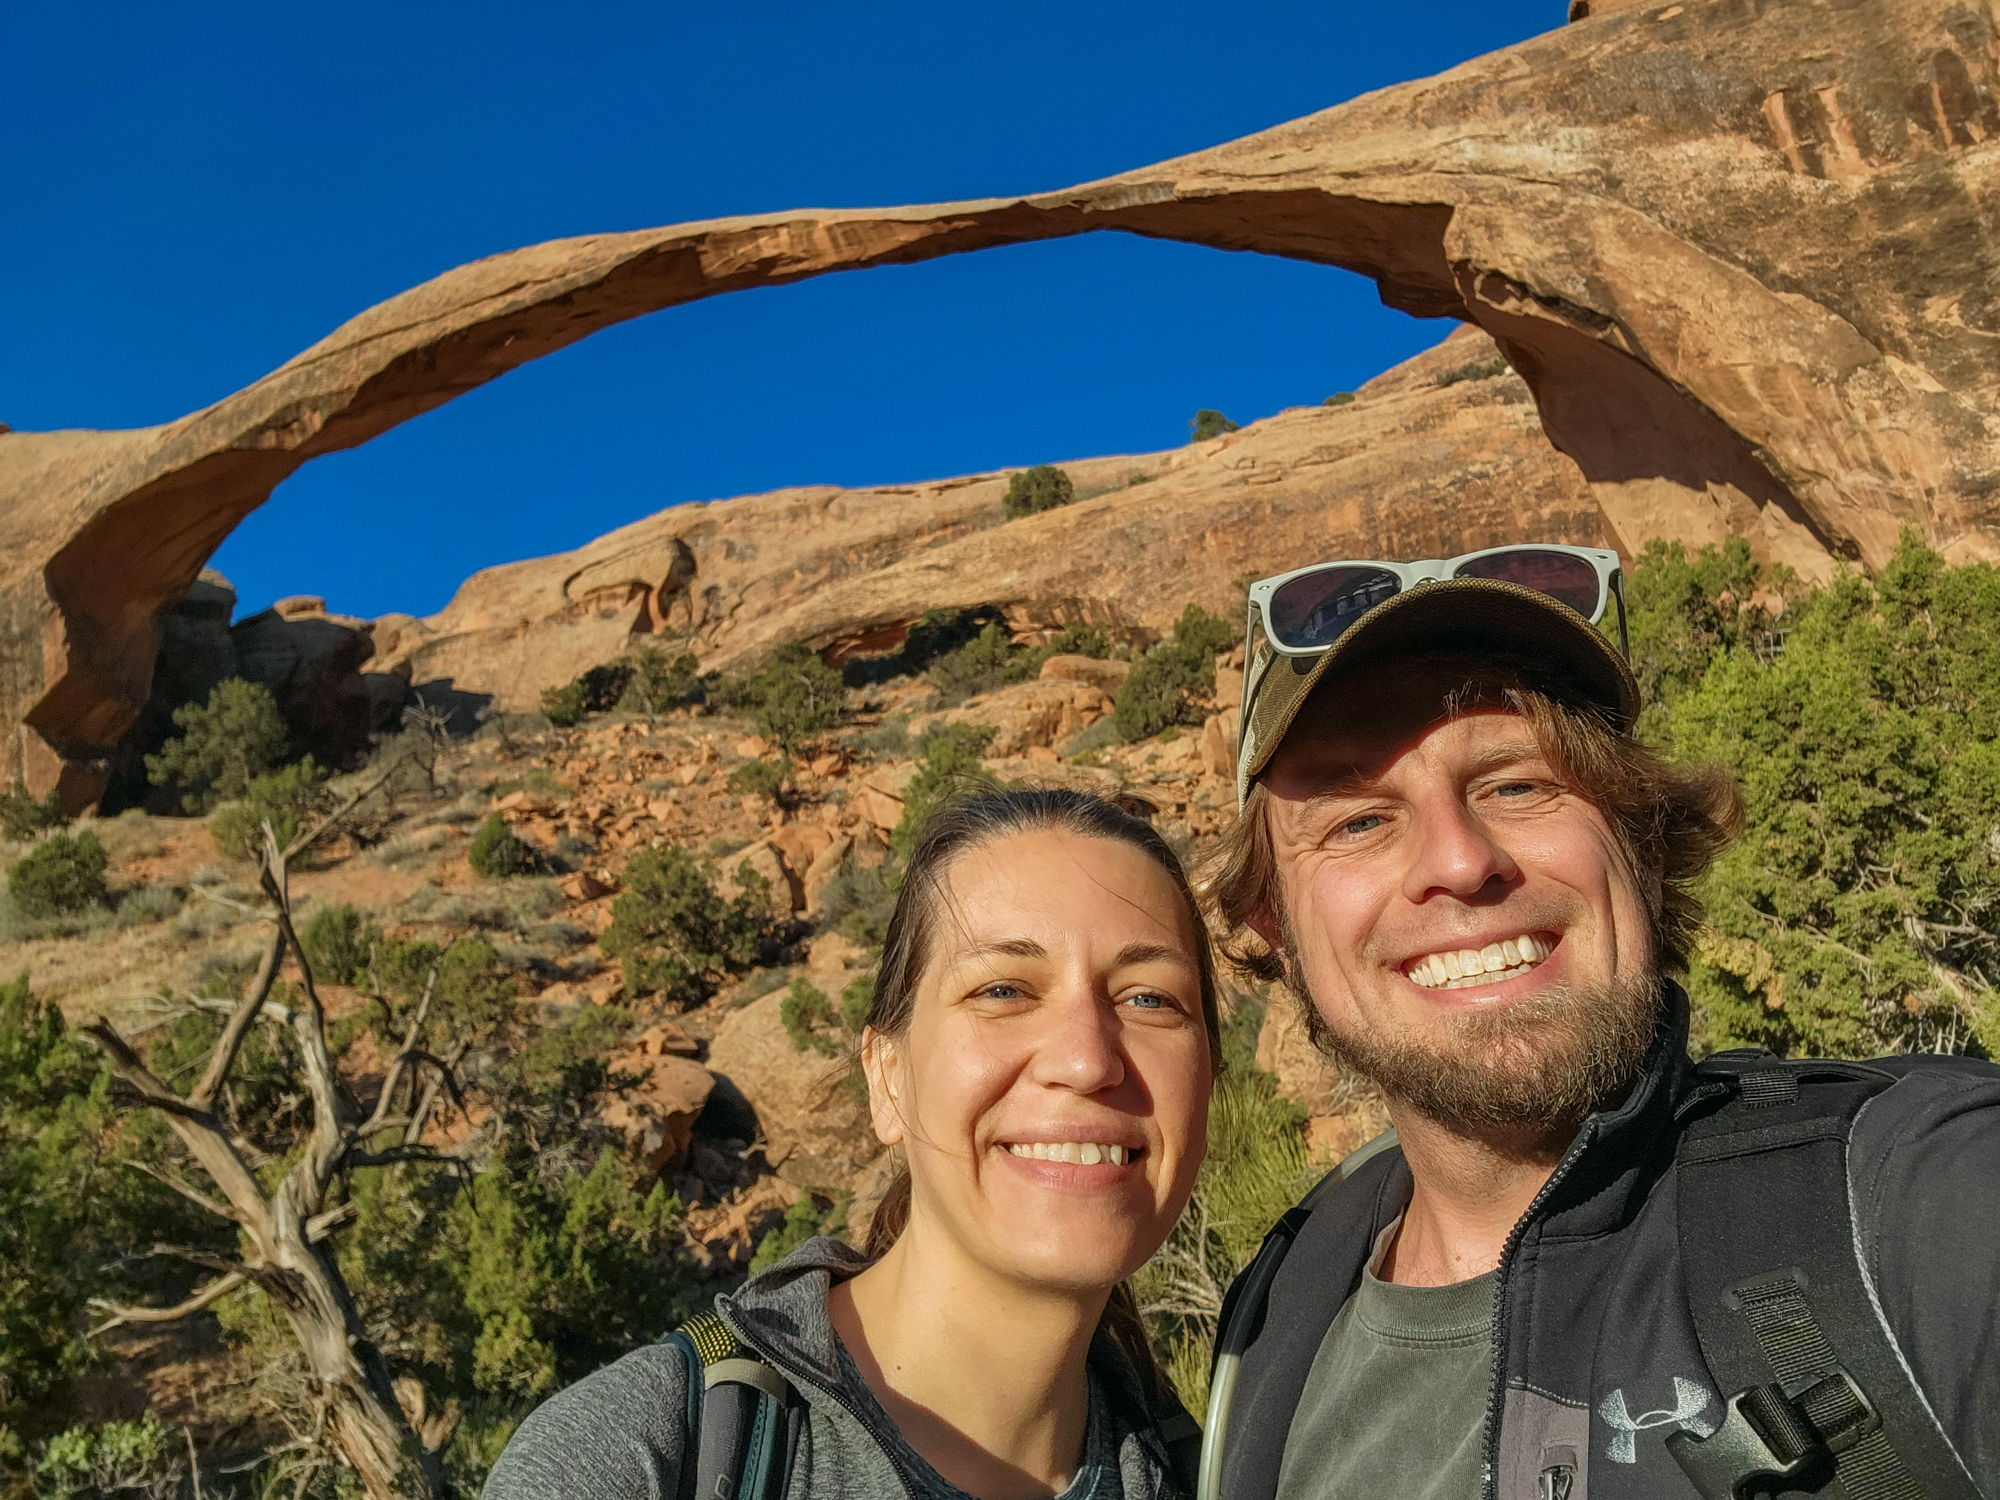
[1596, 1359]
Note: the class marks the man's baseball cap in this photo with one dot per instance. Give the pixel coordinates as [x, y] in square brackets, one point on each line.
[1549, 645]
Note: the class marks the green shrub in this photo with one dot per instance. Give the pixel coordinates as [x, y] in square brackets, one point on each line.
[1478, 369]
[288, 798]
[597, 691]
[815, 1024]
[758, 778]
[497, 852]
[71, 1212]
[796, 695]
[1041, 488]
[61, 876]
[1861, 912]
[224, 745]
[809, 1020]
[792, 697]
[473, 991]
[658, 682]
[802, 1221]
[858, 901]
[1206, 424]
[23, 816]
[676, 934]
[145, 1457]
[1171, 683]
[947, 768]
[982, 664]
[336, 945]
[1339, 398]
[563, 706]
[149, 903]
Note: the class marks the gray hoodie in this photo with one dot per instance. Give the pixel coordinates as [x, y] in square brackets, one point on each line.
[621, 1433]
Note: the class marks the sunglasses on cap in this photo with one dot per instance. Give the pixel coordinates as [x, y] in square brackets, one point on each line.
[1305, 611]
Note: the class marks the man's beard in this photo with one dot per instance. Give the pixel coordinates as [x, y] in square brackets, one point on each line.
[1532, 1065]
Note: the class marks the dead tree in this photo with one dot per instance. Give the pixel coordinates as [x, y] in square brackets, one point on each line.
[284, 1230]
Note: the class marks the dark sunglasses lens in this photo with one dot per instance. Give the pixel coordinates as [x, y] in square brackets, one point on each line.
[1563, 576]
[1312, 610]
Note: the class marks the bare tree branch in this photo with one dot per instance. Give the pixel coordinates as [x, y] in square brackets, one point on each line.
[221, 900]
[394, 1080]
[319, 1226]
[306, 840]
[188, 1191]
[122, 1315]
[194, 1255]
[394, 1154]
[447, 1078]
[223, 1057]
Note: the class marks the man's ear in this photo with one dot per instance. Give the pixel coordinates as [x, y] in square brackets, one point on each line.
[882, 1065]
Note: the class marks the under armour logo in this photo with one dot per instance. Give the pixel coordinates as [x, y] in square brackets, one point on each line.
[1691, 1399]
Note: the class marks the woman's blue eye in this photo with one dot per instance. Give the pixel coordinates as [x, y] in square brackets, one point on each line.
[1001, 992]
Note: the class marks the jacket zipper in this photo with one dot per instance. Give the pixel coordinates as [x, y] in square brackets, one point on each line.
[1497, 1395]
[861, 1418]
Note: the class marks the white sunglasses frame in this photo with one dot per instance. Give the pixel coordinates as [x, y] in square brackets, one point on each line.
[1610, 586]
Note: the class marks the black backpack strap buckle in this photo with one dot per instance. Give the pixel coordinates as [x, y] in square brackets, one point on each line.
[1770, 1442]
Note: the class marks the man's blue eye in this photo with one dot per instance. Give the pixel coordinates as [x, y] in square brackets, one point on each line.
[1360, 825]
[1149, 1002]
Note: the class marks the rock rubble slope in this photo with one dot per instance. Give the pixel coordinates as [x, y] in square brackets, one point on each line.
[1739, 253]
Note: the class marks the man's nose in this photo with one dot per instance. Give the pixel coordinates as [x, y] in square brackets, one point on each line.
[1080, 1047]
[1453, 853]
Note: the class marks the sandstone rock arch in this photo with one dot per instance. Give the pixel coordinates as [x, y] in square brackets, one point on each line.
[1736, 249]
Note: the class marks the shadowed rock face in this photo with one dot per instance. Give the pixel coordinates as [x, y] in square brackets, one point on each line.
[1736, 250]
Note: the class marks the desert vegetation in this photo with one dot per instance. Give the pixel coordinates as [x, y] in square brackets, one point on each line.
[348, 1114]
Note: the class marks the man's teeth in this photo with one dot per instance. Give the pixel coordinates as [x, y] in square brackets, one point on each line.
[1461, 967]
[1078, 1153]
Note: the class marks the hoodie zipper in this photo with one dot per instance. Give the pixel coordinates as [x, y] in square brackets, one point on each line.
[1497, 1395]
[861, 1418]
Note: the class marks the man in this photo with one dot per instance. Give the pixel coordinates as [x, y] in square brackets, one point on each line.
[1587, 1269]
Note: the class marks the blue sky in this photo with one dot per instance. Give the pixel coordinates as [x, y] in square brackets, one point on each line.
[196, 193]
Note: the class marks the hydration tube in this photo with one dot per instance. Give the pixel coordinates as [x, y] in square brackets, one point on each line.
[1243, 1314]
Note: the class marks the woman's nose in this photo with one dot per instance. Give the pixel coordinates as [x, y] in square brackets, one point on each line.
[1079, 1050]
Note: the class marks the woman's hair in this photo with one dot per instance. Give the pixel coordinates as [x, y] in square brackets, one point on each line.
[910, 944]
[1670, 822]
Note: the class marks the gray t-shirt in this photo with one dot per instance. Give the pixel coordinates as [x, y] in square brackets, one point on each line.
[1396, 1401]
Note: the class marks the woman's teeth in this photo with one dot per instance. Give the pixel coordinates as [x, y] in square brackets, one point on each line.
[1077, 1153]
[1468, 966]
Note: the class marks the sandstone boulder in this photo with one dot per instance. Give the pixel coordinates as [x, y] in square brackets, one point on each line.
[656, 1116]
[1106, 676]
[816, 1133]
[879, 797]
[824, 868]
[1030, 715]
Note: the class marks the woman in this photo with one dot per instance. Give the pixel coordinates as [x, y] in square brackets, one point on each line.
[1041, 1045]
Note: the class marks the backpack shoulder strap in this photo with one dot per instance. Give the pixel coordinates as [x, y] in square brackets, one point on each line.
[1243, 1308]
[742, 1417]
[1816, 1392]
